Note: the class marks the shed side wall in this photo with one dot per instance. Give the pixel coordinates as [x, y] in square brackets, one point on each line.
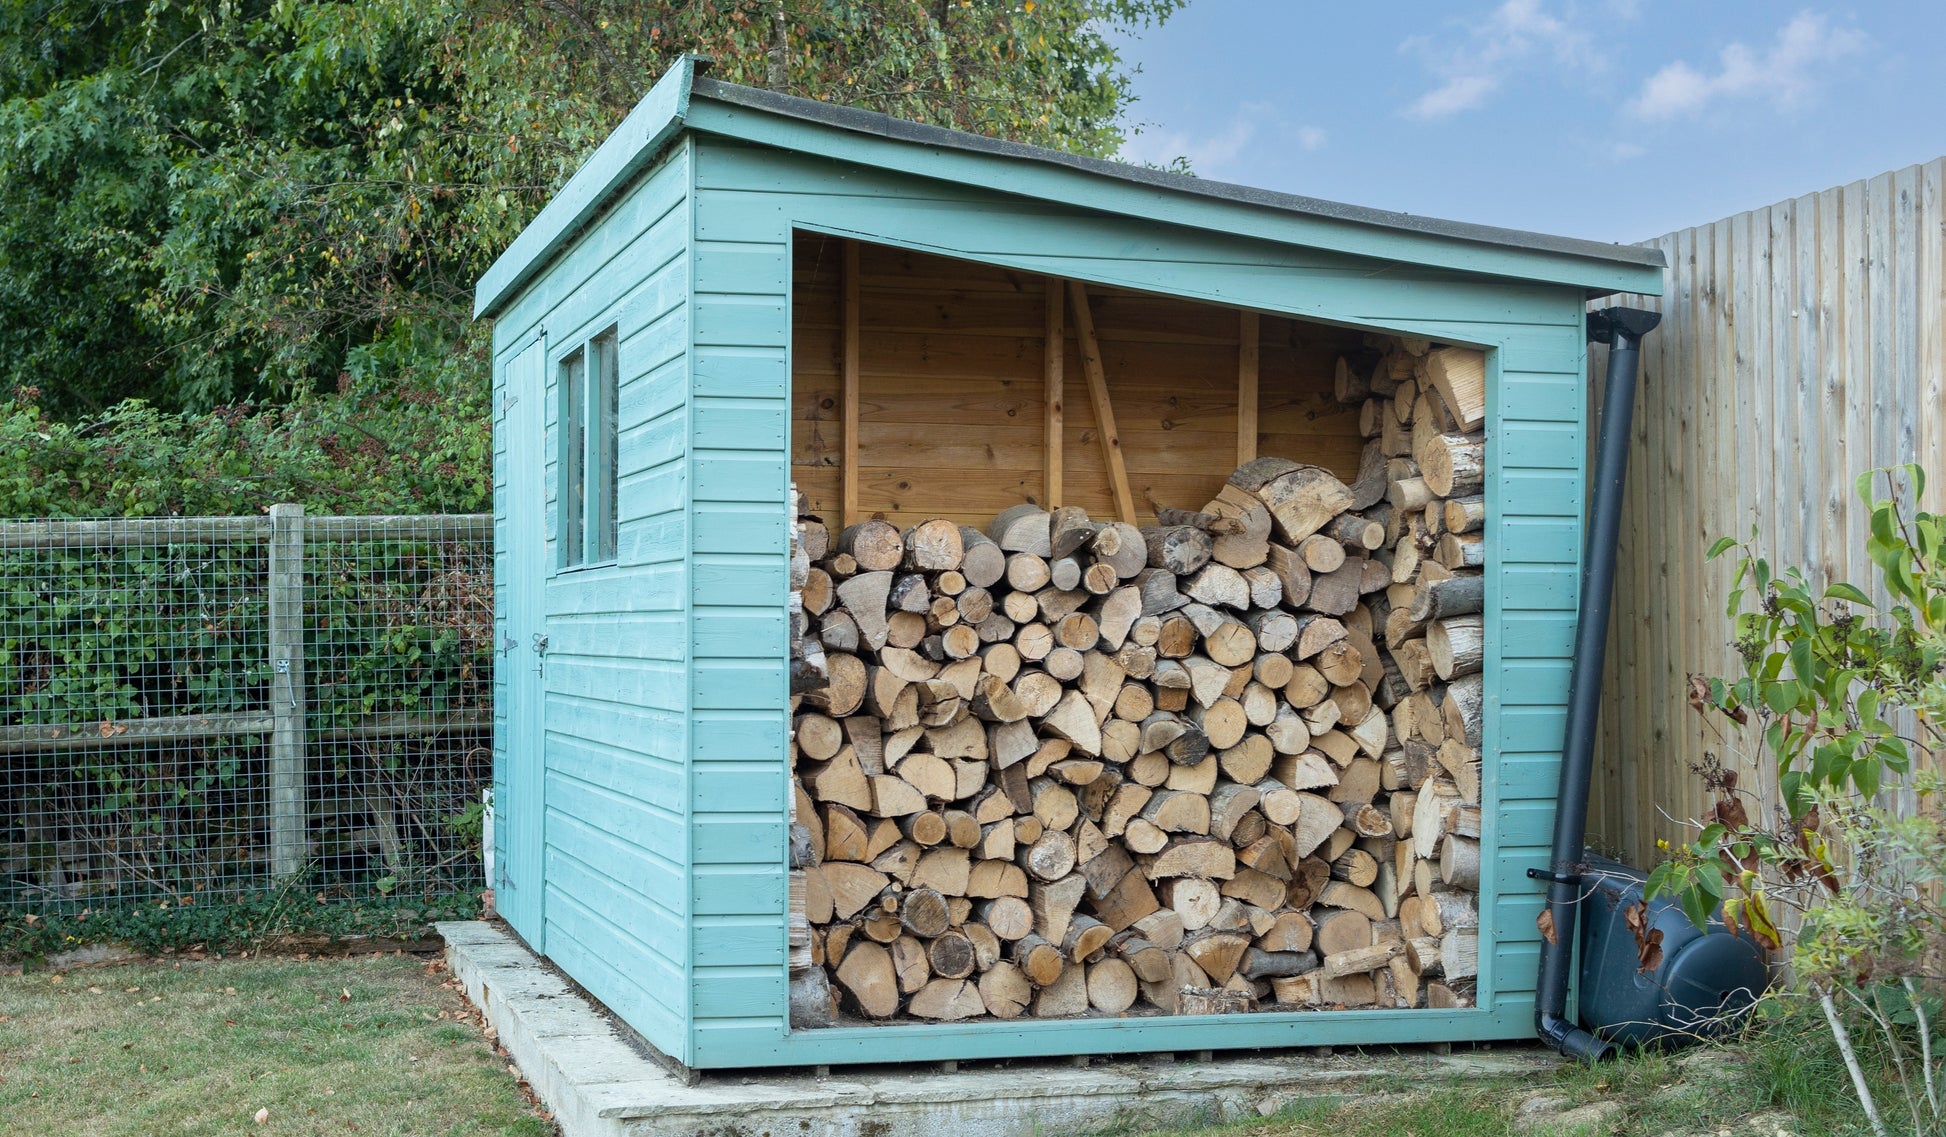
[747, 201]
[615, 693]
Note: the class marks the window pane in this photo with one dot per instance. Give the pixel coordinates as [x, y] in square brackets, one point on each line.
[572, 487]
[602, 514]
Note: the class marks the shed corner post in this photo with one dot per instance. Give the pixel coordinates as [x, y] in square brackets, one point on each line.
[285, 642]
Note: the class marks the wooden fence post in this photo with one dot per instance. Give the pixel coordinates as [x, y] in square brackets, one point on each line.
[289, 807]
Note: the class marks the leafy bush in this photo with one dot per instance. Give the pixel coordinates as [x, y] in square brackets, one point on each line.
[399, 436]
[1850, 704]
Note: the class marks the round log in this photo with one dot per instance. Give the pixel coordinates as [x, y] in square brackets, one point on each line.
[876, 545]
[818, 736]
[1008, 917]
[951, 956]
[1321, 553]
[1459, 861]
[1027, 572]
[1065, 664]
[927, 829]
[1039, 960]
[1180, 549]
[1112, 986]
[922, 911]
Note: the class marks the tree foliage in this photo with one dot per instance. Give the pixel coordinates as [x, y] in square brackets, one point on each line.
[207, 201]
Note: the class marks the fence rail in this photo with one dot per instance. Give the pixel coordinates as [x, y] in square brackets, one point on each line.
[1802, 344]
[213, 705]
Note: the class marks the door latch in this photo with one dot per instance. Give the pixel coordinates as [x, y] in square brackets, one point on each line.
[508, 644]
[540, 644]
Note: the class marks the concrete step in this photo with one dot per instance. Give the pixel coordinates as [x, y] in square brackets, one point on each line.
[599, 1080]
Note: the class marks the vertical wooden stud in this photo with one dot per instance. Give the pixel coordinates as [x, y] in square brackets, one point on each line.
[1247, 355]
[848, 469]
[1054, 359]
[1111, 439]
[288, 807]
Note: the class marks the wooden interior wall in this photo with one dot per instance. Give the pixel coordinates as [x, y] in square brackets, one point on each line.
[950, 402]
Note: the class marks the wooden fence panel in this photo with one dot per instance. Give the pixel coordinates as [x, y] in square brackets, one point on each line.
[1801, 344]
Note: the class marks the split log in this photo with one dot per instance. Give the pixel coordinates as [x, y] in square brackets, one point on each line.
[1459, 375]
[1301, 500]
[1457, 646]
[1465, 514]
[1452, 465]
[1445, 599]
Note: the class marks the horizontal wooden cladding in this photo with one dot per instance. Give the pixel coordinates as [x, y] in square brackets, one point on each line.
[951, 411]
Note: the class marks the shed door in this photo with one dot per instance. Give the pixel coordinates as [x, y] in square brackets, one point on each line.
[520, 895]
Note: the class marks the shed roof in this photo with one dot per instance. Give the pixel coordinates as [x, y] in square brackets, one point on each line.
[685, 100]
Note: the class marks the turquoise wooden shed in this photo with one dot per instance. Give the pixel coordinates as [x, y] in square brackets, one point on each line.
[670, 358]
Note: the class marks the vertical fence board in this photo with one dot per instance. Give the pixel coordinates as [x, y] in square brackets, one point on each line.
[1801, 345]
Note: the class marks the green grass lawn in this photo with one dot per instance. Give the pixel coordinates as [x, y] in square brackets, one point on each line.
[1782, 1077]
[370, 1045]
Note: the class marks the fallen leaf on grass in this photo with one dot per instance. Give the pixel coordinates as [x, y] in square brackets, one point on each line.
[263, 1115]
[344, 994]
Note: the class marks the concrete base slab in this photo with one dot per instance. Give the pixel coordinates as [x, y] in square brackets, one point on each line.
[599, 1081]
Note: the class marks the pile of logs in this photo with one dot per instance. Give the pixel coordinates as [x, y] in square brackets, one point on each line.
[1227, 762]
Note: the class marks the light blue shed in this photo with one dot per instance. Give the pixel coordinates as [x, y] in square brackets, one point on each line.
[669, 359]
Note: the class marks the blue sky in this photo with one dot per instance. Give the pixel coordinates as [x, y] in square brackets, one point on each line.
[1611, 119]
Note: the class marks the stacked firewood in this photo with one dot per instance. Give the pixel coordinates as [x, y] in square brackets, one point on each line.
[1224, 762]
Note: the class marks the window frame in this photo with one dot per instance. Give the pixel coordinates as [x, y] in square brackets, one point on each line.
[587, 463]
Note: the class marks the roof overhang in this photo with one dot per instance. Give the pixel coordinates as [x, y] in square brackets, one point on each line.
[684, 100]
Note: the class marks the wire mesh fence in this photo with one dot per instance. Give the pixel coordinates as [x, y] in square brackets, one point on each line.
[194, 710]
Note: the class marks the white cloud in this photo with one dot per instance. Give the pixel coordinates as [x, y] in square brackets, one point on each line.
[1214, 155]
[1782, 73]
[1207, 154]
[1460, 93]
[1477, 62]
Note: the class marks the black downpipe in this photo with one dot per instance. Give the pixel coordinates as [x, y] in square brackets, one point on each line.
[1622, 329]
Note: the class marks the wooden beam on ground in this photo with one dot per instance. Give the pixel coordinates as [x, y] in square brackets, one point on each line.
[848, 462]
[1247, 357]
[1111, 439]
[1054, 359]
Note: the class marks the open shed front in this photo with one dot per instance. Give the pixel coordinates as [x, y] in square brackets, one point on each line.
[1054, 779]
[645, 780]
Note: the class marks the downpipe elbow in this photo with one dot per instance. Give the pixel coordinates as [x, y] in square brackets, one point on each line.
[1570, 1041]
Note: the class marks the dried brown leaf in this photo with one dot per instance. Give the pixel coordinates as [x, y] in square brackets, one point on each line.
[1545, 922]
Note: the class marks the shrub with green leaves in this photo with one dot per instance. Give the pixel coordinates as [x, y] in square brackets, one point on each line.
[1848, 700]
